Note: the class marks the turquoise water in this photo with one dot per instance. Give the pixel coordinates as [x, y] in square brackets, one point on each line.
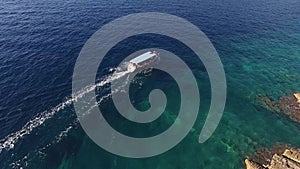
[260, 50]
[244, 128]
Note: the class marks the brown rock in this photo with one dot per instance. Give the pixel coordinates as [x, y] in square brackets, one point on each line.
[292, 154]
[267, 103]
[290, 106]
[264, 156]
[281, 156]
[281, 162]
[297, 96]
[253, 165]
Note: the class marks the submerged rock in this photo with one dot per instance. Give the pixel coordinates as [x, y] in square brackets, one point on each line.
[289, 105]
[268, 104]
[289, 159]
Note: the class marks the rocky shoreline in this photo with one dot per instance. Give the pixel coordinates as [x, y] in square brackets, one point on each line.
[288, 159]
[281, 156]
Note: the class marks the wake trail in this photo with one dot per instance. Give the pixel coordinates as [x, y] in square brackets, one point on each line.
[9, 141]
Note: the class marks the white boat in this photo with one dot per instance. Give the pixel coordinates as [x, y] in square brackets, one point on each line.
[142, 61]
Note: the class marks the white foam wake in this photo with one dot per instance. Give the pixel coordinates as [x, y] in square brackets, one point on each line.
[9, 141]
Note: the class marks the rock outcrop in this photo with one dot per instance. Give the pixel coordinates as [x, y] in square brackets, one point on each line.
[282, 162]
[289, 159]
[292, 154]
[297, 96]
[252, 165]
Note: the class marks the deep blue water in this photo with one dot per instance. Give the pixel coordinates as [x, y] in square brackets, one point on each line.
[258, 42]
